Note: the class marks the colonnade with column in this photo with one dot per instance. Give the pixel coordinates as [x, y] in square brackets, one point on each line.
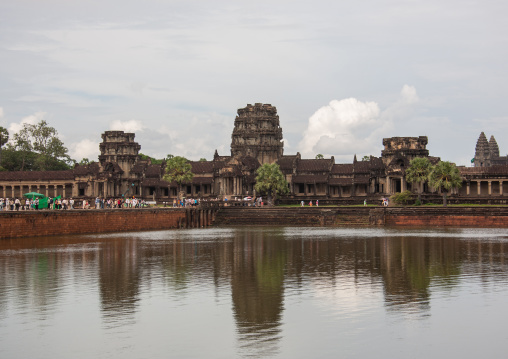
[231, 186]
[64, 189]
[493, 187]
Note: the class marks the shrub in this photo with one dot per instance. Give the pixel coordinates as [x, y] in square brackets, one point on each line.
[402, 198]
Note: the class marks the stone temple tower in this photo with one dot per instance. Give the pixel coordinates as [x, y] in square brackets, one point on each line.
[483, 153]
[119, 147]
[257, 133]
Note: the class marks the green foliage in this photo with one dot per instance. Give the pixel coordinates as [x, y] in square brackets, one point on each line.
[202, 159]
[4, 136]
[36, 148]
[402, 197]
[179, 170]
[445, 176]
[270, 180]
[319, 156]
[84, 161]
[365, 158]
[418, 170]
[418, 202]
[153, 161]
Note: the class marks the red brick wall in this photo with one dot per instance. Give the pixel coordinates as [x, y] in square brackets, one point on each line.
[447, 217]
[42, 223]
[447, 221]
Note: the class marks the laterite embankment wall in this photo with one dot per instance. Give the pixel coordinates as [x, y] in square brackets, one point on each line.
[42, 223]
[365, 216]
[45, 222]
[441, 217]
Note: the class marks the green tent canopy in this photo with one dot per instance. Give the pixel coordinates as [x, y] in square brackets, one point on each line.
[34, 195]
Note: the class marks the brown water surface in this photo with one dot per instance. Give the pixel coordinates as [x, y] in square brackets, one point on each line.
[256, 292]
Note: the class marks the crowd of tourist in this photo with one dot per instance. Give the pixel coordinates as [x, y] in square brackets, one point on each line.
[27, 204]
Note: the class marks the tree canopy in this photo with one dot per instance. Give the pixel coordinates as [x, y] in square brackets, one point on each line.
[445, 176]
[270, 180]
[36, 148]
[4, 138]
[319, 156]
[418, 172]
[179, 170]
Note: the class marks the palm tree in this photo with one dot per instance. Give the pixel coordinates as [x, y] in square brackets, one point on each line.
[270, 179]
[179, 170]
[418, 172]
[446, 176]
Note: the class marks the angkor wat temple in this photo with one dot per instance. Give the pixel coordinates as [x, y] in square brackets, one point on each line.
[257, 139]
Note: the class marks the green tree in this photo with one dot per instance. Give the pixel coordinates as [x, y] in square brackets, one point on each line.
[179, 170]
[202, 159]
[41, 139]
[4, 138]
[365, 158]
[445, 176]
[270, 180]
[319, 156]
[418, 172]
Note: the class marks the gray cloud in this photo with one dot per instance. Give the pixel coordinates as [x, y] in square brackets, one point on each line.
[186, 66]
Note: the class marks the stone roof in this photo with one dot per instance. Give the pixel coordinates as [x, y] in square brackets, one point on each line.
[83, 170]
[314, 165]
[361, 179]
[310, 179]
[341, 181]
[499, 170]
[287, 162]
[342, 168]
[139, 167]
[37, 175]
[153, 171]
[362, 166]
[202, 166]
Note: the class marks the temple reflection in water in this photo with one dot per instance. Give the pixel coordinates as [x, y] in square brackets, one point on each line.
[259, 269]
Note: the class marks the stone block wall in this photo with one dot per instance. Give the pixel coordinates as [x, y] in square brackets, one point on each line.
[442, 217]
[42, 223]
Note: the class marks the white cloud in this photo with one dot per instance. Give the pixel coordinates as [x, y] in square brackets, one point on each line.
[32, 120]
[347, 127]
[126, 126]
[340, 127]
[84, 149]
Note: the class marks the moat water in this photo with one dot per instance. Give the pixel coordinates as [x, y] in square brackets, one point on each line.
[256, 292]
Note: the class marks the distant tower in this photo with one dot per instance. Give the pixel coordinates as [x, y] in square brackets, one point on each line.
[483, 153]
[118, 147]
[494, 148]
[257, 133]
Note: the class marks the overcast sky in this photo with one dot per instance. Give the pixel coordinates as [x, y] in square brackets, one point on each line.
[342, 74]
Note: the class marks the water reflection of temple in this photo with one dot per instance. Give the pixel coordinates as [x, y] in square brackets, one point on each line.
[258, 268]
[257, 289]
[120, 264]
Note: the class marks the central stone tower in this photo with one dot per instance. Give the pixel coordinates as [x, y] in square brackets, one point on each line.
[257, 133]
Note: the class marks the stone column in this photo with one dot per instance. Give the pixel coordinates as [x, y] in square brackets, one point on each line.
[403, 184]
[479, 186]
[500, 188]
[490, 188]
[388, 185]
[468, 188]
